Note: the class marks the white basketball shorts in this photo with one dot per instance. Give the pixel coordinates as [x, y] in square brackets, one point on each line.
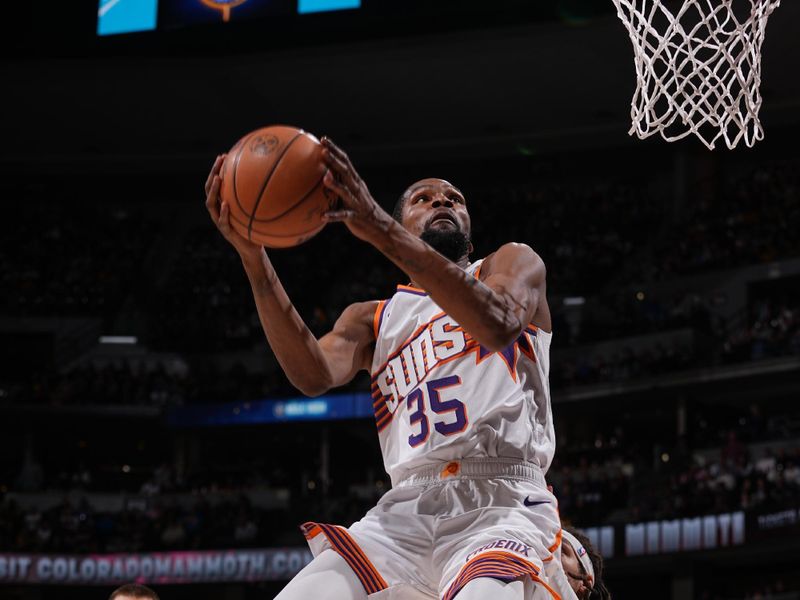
[444, 525]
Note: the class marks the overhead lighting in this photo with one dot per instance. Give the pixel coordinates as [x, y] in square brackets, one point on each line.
[119, 339]
[574, 301]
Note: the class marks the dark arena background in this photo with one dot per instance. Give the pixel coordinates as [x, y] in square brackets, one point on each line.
[147, 432]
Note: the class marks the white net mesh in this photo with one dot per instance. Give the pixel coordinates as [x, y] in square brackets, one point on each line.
[698, 67]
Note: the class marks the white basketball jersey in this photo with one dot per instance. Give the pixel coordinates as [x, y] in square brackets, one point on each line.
[440, 396]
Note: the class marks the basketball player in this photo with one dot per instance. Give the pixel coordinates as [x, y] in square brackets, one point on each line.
[133, 591]
[583, 566]
[459, 363]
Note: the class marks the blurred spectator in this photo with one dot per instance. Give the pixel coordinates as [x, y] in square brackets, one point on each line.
[133, 591]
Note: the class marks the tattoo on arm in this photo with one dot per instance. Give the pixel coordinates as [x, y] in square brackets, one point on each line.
[413, 264]
[407, 261]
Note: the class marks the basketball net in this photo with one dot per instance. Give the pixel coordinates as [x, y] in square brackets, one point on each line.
[698, 68]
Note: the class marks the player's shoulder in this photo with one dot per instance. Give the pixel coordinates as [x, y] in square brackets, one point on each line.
[361, 310]
[360, 314]
[518, 249]
[512, 254]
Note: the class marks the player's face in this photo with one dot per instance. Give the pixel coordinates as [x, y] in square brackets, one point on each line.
[575, 572]
[435, 205]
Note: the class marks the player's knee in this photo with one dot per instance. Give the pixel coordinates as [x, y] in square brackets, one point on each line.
[520, 589]
[327, 577]
[486, 587]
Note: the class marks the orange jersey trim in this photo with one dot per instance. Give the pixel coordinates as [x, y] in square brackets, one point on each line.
[556, 543]
[310, 530]
[376, 318]
[341, 542]
[552, 592]
[472, 344]
[402, 344]
[412, 289]
[496, 565]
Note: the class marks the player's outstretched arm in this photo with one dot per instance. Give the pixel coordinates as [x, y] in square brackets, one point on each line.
[313, 366]
[494, 311]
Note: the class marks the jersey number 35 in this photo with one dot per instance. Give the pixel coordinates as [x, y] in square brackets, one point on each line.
[452, 411]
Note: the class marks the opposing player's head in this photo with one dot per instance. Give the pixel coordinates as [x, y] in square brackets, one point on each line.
[583, 566]
[435, 211]
[133, 591]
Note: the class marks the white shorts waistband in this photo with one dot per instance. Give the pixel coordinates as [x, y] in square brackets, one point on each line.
[471, 468]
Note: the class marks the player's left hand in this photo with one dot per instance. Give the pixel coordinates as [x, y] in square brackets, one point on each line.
[358, 209]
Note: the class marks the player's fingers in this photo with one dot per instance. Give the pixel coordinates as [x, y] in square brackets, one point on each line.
[212, 199]
[333, 216]
[337, 152]
[328, 143]
[214, 171]
[337, 187]
[335, 158]
[331, 158]
[210, 176]
[224, 221]
[335, 164]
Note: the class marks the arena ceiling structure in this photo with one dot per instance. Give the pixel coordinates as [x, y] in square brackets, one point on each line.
[432, 88]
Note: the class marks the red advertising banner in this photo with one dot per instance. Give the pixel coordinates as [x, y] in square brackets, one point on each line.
[273, 564]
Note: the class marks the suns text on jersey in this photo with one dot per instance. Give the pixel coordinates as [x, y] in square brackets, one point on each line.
[439, 341]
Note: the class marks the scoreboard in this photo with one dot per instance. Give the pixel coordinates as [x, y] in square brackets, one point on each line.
[342, 17]
[128, 16]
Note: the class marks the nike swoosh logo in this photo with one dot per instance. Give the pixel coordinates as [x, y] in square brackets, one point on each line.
[528, 502]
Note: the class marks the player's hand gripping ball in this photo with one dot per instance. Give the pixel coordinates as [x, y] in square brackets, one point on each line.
[272, 183]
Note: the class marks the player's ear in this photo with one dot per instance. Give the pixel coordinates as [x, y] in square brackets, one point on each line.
[470, 249]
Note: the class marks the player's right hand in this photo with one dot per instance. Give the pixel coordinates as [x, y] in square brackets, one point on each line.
[220, 214]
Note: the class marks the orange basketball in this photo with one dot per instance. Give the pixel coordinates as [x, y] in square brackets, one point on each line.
[272, 182]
